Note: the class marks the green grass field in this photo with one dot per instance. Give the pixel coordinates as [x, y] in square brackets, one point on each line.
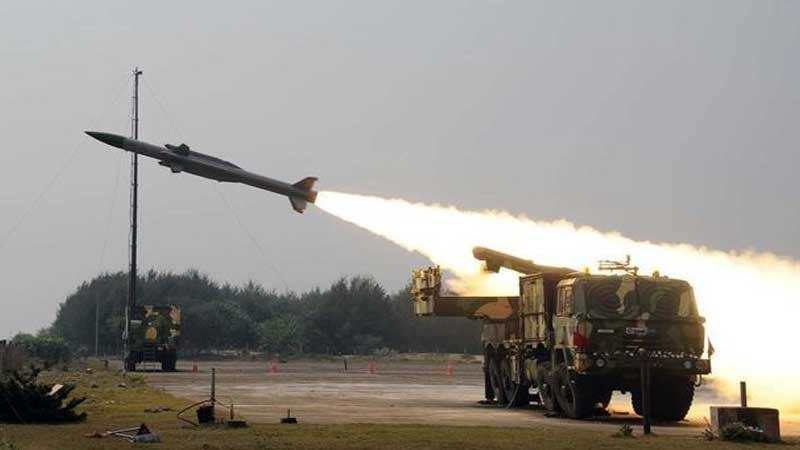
[112, 407]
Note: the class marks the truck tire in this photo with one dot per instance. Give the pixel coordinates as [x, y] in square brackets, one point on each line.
[488, 390]
[516, 394]
[637, 401]
[671, 402]
[496, 379]
[574, 393]
[670, 399]
[603, 396]
[544, 386]
[168, 363]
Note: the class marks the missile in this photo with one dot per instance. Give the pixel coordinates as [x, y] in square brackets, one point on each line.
[182, 159]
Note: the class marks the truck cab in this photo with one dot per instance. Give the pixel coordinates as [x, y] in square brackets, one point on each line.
[601, 321]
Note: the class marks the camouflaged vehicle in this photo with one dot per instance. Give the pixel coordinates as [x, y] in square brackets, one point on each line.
[154, 335]
[574, 338]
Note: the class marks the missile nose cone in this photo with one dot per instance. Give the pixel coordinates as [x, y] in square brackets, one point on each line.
[108, 138]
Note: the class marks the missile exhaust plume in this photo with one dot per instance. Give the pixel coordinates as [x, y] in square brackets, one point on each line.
[751, 300]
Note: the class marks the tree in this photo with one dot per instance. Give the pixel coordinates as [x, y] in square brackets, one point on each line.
[353, 315]
[281, 334]
[217, 325]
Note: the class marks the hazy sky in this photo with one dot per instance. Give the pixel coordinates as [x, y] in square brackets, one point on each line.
[668, 121]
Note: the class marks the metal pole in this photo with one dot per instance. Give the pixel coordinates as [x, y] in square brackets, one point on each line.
[743, 393]
[131, 300]
[97, 327]
[213, 384]
[213, 391]
[645, 374]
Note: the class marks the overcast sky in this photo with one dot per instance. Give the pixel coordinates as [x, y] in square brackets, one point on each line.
[667, 121]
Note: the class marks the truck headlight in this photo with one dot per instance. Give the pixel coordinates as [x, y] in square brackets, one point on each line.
[600, 362]
[687, 365]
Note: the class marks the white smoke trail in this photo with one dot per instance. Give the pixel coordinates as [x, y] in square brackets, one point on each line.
[750, 299]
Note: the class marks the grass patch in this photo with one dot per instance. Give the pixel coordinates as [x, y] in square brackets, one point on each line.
[110, 406]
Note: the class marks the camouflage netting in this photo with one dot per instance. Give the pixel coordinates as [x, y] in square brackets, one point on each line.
[636, 298]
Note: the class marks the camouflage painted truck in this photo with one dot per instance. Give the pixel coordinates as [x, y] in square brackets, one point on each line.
[154, 335]
[574, 338]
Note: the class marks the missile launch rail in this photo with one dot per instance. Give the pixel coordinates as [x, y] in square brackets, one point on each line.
[570, 338]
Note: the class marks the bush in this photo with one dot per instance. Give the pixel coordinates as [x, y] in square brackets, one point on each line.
[625, 431]
[739, 432]
[50, 350]
[384, 352]
[708, 432]
[28, 401]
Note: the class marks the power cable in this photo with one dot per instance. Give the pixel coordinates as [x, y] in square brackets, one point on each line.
[57, 175]
[112, 201]
[173, 124]
[251, 237]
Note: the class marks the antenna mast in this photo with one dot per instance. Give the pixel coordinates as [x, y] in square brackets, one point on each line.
[626, 266]
[131, 300]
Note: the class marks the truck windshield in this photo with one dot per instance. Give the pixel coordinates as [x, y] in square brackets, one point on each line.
[627, 297]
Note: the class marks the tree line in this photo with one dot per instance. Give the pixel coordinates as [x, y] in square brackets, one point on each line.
[352, 316]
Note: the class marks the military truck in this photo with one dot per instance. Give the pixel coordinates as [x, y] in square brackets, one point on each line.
[154, 334]
[572, 338]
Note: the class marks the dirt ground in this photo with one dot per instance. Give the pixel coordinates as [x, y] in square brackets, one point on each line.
[400, 391]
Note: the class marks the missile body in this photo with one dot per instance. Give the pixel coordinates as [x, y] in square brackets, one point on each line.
[181, 159]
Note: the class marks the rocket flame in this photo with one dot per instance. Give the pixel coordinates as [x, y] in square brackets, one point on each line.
[750, 299]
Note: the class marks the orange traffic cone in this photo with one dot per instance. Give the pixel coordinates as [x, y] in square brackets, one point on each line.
[371, 367]
[450, 368]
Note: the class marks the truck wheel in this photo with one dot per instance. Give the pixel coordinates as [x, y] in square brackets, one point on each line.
[637, 401]
[515, 394]
[488, 390]
[603, 393]
[545, 387]
[604, 397]
[168, 364]
[574, 393]
[496, 378]
[671, 402]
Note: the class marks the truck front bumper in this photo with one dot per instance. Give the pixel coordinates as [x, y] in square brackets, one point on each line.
[599, 364]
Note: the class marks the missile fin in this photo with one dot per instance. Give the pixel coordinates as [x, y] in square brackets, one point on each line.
[298, 204]
[175, 168]
[306, 183]
[182, 149]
